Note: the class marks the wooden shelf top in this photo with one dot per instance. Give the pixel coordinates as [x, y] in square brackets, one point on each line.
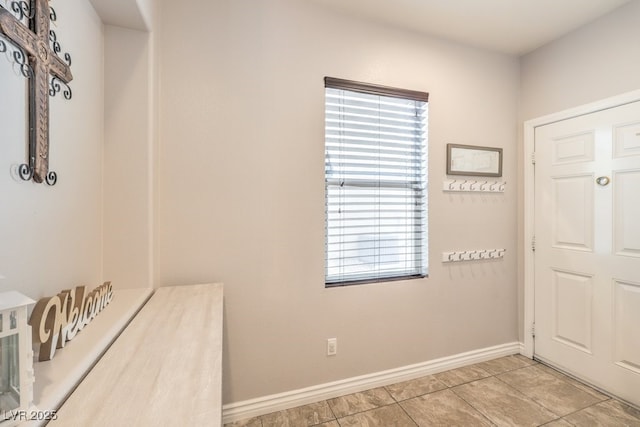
[165, 367]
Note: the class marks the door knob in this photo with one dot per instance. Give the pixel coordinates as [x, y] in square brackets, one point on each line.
[603, 180]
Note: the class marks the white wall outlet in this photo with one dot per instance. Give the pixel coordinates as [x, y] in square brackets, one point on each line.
[332, 346]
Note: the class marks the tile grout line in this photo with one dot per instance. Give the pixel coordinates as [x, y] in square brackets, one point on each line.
[491, 375]
[332, 412]
[560, 417]
[561, 374]
[402, 407]
[450, 388]
[365, 410]
[469, 403]
[587, 407]
[408, 414]
[563, 380]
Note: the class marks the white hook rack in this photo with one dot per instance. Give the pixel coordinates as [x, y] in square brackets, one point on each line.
[473, 255]
[474, 185]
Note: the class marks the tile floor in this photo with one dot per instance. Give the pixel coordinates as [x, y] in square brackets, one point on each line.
[509, 391]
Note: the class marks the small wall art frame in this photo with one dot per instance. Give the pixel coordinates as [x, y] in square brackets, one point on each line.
[473, 160]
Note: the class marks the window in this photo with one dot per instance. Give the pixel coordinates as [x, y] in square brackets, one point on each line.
[375, 183]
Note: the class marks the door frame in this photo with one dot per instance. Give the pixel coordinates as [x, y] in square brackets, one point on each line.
[529, 199]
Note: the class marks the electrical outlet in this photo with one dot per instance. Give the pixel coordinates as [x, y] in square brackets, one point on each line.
[332, 346]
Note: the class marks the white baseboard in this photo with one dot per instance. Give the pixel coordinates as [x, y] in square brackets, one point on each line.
[291, 399]
[521, 346]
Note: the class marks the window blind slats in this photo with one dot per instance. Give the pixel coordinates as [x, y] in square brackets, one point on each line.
[368, 153]
[369, 124]
[371, 135]
[375, 175]
[348, 145]
[414, 169]
[344, 105]
[362, 115]
[373, 138]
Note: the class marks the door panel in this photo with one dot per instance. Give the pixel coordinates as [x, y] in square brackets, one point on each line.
[573, 212]
[627, 140]
[627, 321]
[626, 223]
[572, 309]
[574, 149]
[587, 259]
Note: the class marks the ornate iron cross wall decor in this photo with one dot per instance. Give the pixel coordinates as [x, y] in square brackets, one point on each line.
[37, 60]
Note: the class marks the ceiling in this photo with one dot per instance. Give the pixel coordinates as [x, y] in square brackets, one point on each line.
[132, 14]
[509, 26]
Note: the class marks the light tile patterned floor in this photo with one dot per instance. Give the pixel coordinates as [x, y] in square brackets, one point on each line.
[509, 391]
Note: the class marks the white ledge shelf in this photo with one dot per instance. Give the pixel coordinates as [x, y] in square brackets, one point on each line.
[57, 378]
[474, 185]
[165, 369]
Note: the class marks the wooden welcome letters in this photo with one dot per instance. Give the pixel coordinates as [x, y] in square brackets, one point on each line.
[56, 320]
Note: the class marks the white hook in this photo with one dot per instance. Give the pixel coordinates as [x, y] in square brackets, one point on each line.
[451, 184]
[502, 186]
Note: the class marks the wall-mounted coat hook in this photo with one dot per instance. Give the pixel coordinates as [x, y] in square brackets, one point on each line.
[474, 185]
[477, 255]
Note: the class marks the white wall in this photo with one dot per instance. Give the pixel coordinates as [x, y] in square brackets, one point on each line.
[597, 61]
[51, 237]
[241, 190]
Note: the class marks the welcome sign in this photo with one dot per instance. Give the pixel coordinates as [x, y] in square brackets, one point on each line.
[58, 319]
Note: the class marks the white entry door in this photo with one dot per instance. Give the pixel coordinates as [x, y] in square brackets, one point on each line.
[587, 248]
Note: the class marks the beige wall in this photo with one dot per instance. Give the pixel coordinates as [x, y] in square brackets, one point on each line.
[597, 61]
[241, 190]
[594, 62]
[240, 194]
[51, 237]
[129, 165]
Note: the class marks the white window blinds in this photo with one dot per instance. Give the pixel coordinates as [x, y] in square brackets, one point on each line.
[376, 186]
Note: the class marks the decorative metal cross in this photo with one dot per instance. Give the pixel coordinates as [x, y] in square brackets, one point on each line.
[41, 62]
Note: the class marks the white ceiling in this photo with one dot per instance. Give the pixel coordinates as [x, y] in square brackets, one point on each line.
[132, 14]
[508, 26]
